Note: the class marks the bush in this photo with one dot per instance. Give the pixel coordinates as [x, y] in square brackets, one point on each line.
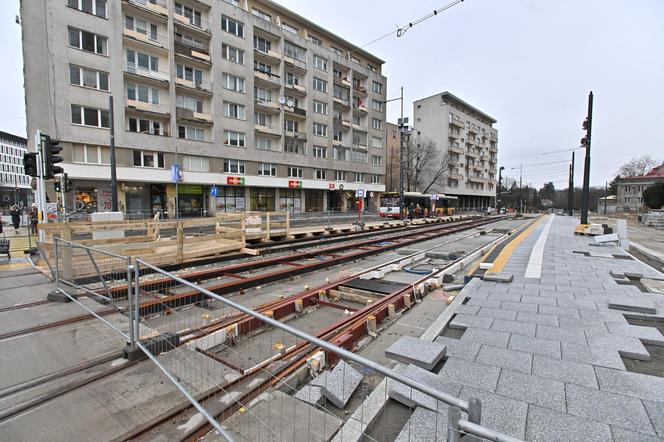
[653, 196]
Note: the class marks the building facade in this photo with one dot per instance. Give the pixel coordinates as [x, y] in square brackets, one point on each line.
[393, 159]
[14, 184]
[630, 189]
[468, 137]
[259, 108]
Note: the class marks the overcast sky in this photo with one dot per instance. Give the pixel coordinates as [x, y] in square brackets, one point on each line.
[528, 63]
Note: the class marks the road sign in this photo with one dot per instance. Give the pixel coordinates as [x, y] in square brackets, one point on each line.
[371, 194]
[434, 197]
[294, 184]
[175, 173]
[341, 187]
[213, 191]
[359, 193]
[235, 181]
[330, 186]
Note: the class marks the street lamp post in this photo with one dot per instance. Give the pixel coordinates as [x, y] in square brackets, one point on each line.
[500, 184]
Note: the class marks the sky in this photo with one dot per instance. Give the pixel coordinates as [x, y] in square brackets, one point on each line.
[528, 63]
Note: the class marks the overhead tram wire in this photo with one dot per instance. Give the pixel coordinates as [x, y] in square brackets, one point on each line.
[543, 153]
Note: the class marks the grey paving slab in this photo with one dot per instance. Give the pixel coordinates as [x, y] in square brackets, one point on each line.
[583, 324]
[411, 350]
[492, 337]
[537, 300]
[631, 384]
[547, 393]
[425, 425]
[624, 435]
[519, 306]
[340, 384]
[611, 408]
[467, 321]
[598, 356]
[310, 394]
[534, 345]
[521, 328]
[468, 309]
[627, 346]
[483, 303]
[489, 312]
[559, 311]
[561, 334]
[546, 425]
[655, 412]
[501, 277]
[535, 318]
[413, 398]
[634, 305]
[603, 316]
[458, 349]
[471, 374]
[579, 304]
[504, 358]
[500, 413]
[565, 371]
[648, 335]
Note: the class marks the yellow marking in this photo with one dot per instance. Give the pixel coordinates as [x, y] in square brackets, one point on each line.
[505, 254]
[480, 261]
[14, 266]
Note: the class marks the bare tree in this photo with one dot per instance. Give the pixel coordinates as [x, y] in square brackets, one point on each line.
[638, 166]
[425, 165]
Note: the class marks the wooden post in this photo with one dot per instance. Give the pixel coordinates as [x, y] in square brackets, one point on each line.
[180, 241]
[66, 256]
[267, 226]
[243, 227]
[287, 225]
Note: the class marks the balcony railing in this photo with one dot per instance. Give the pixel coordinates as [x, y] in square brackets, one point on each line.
[132, 68]
[296, 88]
[183, 48]
[295, 134]
[360, 89]
[271, 105]
[156, 6]
[267, 76]
[149, 38]
[457, 122]
[202, 85]
[342, 101]
[272, 55]
[295, 62]
[189, 114]
[147, 107]
[296, 110]
[198, 24]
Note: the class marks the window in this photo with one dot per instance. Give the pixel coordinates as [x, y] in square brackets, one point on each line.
[233, 54]
[375, 179]
[189, 73]
[320, 152]
[339, 175]
[294, 145]
[189, 103]
[234, 110]
[191, 133]
[94, 7]
[376, 123]
[263, 143]
[320, 129]
[320, 63]
[336, 50]
[234, 166]
[195, 163]
[262, 119]
[262, 95]
[359, 138]
[377, 142]
[263, 67]
[376, 160]
[91, 154]
[267, 169]
[295, 172]
[341, 92]
[320, 85]
[291, 126]
[261, 44]
[356, 120]
[377, 87]
[377, 105]
[232, 26]
[88, 78]
[141, 93]
[142, 61]
[260, 14]
[319, 174]
[144, 126]
[141, 26]
[232, 138]
[289, 28]
[148, 159]
[359, 177]
[233, 82]
[193, 15]
[358, 157]
[315, 40]
[89, 116]
[87, 41]
[320, 107]
[294, 51]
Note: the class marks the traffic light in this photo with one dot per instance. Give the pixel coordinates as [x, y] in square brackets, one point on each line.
[69, 186]
[57, 186]
[51, 157]
[30, 164]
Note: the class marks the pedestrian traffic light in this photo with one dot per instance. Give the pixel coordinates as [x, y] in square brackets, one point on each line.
[51, 157]
[30, 164]
[57, 186]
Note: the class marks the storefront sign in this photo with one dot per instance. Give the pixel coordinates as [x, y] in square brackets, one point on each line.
[190, 189]
[235, 181]
[434, 197]
[52, 211]
[294, 184]
[330, 186]
[359, 193]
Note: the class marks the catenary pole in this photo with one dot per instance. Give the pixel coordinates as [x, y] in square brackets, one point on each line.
[586, 167]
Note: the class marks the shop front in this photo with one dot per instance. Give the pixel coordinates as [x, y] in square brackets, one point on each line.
[314, 200]
[230, 199]
[90, 197]
[290, 200]
[191, 201]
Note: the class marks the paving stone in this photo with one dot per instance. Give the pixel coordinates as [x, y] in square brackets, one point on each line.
[500, 413]
[631, 384]
[546, 425]
[598, 356]
[489, 312]
[579, 304]
[559, 311]
[413, 398]
[519, 306]
[583, 324]
[341, 383]
[467, 321]
[624, 435]
[471, 374]
[547, 393]
[648, 335]
[634, 305]
[310, 394]
[534, 318]
[495, 338]
[608, 407]
[561, 334]
[410, 350]
[504, 358]
[566, 371]
[627, 346]
[457, 349]
[498, 277]
[425, 425]
[603, 316]
[483, 303]
[466, 309]
[521, 328]
[539, 300]
[655, 412]
[539, 346]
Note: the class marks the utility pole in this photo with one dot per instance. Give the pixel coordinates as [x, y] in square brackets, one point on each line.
[500, 184]
[520, 188]
[402, 129]
[585, 142]
[606, 195]
[571, 187]
[114, 178]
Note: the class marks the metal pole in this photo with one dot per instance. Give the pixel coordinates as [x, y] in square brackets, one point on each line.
[130, 306]
[474, 415]
[500, 183]
[177, 181]
[57, 262]
[606, 195]
[520, 189]
[586, 166]
[41, 184]
[453, 418]
[401, 169]
[571, 187]
[114, 180]
[137, 292]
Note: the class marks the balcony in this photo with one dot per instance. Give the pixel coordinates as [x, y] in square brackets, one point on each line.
[342, 124]
[267, 130]
[454, 135]
[267, 78]
[199, 86]
[296, 88]
[200, 26]
[341, 101]
[267, 55]
[472, 129]
[269, 106]
[457, 150]
[360, 89]
[187, 50]
[297, 111]
[470, 141]
[344, 81]
[159, 41]
[456, 176]
[188, 114]
[360, 108]
[493, 137]
[472, 154]
[456, 122]
[159, 7]
[133, 69]
[295, 134]
[295, 63]
[141, 106]
[336, 142]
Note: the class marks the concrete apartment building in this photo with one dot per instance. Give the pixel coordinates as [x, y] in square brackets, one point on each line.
[467, 134]
[14, 184]
[630, 189]
[256, 104]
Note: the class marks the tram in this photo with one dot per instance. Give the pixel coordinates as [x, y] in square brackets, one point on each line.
[436, 204]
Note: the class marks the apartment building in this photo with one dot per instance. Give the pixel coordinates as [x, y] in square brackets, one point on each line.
[467, 135]
[14, 184]
[259, 108]
[630, 189]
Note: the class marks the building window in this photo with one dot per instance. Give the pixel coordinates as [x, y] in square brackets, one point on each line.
[234, 110]
[263, 67]
[91, 154]
[143, 126]
[234, 166]
[262, 95]
[320, 85]
[94, 7]
[320, 107]
[142, 27]
[320, 129]
[377, 87]
[262, 199]
[289, 28]
[189, 73]
[295, 145]
[232, 26]
[232, 138]
[263, 143]
[190, 103]
[376, 160]
[320, 152]
[375, 179]
[261, 44]
[235, 3]
[356, 120]
[339, 175]
[232, 54]
[142, 93]
[193, 15]
[359, 138]
[359, 177]
[195, 163]
[87, 41]
[89, 116]
[294, 172]
[377, 105]
[267, 169]
[337, 51]
[341, 92]
[376, 123]
[262, 119]
[80, 76]
[377, 142]
[319, 174]
[142, 61]
[320, 63]
[260, 14]
[233, 83]
[291, 126]
[315, 40]
[191, 133]
[358, 157]
[148, 159]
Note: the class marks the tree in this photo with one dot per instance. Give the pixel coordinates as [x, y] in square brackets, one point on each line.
[653, 196]
[638, 166]
[547, 191]
[613, 186]
[425, 165]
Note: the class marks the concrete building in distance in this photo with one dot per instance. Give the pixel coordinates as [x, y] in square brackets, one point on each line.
[250, 99]
[630, 189]
[393, 159]
[14, 184]
[468, 136]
